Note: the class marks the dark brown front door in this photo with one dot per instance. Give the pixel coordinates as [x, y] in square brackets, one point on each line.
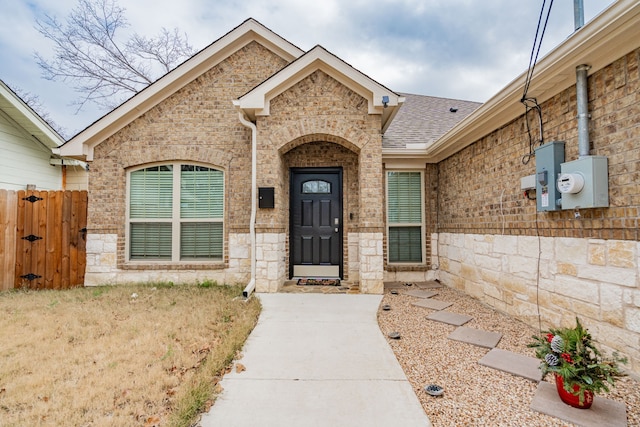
[316, 222]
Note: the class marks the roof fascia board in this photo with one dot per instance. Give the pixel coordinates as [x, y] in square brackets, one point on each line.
[603, 40]
[49, 136]
[257, 101]
[82, 144]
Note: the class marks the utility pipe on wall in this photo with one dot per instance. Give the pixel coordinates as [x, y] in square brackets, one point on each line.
[578, 14]
[582, 99]
[252, 222]
[582, 93]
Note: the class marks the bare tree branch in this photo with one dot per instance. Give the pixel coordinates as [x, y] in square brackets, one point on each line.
[100, 66]
[34, 102]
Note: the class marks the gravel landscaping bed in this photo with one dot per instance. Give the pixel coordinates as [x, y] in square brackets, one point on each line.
[474, 395]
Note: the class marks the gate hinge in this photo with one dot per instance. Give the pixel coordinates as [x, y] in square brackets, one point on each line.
[32, 198]
[30, 276]
[32, 238]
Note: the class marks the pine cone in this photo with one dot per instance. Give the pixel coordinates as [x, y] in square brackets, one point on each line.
[551, 359]
[557, 344]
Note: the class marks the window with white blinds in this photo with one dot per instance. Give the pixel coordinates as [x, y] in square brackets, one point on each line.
[404, 217]
[176, 213]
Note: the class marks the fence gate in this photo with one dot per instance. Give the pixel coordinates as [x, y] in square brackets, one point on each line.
[49, 239]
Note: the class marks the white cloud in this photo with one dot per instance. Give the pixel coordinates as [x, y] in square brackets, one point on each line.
[451, 48]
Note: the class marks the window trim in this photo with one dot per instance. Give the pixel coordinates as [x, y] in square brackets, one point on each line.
[406, 224]
[175, 220]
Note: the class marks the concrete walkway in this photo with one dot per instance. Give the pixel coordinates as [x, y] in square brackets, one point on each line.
[317, 360]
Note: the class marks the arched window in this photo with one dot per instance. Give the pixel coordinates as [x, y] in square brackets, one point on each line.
[316, 187]
[175, 213]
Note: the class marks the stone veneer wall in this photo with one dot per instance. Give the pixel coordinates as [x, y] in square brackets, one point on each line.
[102, 267]
[594, 279]
[486, 230]
[270, 266]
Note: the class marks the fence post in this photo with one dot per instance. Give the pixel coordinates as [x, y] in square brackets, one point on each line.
[8, 213]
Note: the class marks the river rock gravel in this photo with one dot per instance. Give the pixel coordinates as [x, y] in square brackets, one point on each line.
[474, 395]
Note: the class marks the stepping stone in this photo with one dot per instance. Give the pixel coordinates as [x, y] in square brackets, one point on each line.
[449, 318]
[433, 304]
[603, 412]
[513, 363]
[393, 285]
[432, 284]
[420, 294]
[476, 337]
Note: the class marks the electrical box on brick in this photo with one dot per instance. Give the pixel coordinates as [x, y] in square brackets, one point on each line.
[548, 159]
[584, 183]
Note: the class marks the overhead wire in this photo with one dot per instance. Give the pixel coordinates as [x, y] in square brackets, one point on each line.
[530, 103]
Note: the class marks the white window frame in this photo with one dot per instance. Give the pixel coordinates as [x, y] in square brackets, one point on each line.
[175, 219]
[412, 224]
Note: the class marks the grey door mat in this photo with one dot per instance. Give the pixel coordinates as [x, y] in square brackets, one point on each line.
[432, 284]
[449, 317]
[475, 336]
[513, 363]
[433, 304]
[420, 294]
[603, 412]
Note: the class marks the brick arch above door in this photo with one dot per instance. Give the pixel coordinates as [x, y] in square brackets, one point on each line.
[290, 137]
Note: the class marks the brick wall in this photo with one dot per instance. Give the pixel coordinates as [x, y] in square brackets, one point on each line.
[199, 124]
[321, 122]
[480, 185]
[320, 105]
[486, 241]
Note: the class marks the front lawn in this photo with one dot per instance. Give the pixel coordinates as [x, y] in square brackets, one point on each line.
[121, 355]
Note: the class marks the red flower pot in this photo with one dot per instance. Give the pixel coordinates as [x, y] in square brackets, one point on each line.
[572, 399]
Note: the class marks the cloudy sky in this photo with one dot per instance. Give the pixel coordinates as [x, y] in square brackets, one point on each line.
[461, 49]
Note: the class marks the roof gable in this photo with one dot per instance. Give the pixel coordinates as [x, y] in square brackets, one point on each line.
[82, 145]
[23, 116]
[381, 100]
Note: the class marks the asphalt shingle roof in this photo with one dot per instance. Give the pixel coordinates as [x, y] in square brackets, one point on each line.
[424, 119]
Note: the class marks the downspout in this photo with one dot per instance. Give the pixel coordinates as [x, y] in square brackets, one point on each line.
[252, 222]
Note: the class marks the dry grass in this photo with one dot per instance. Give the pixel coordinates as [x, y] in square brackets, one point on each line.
[124, 355]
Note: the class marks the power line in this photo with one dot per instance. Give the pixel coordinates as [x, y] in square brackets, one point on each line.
[529, 102]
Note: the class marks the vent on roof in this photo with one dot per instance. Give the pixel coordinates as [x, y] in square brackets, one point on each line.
[453, 109]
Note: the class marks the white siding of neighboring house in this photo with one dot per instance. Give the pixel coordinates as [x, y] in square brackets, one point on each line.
[24, 160]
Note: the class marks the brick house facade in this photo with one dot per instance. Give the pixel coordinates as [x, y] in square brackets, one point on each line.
[428, 187]
[549, 267]
[308, 111]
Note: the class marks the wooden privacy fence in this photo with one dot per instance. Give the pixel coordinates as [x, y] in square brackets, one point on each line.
[42, 239]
